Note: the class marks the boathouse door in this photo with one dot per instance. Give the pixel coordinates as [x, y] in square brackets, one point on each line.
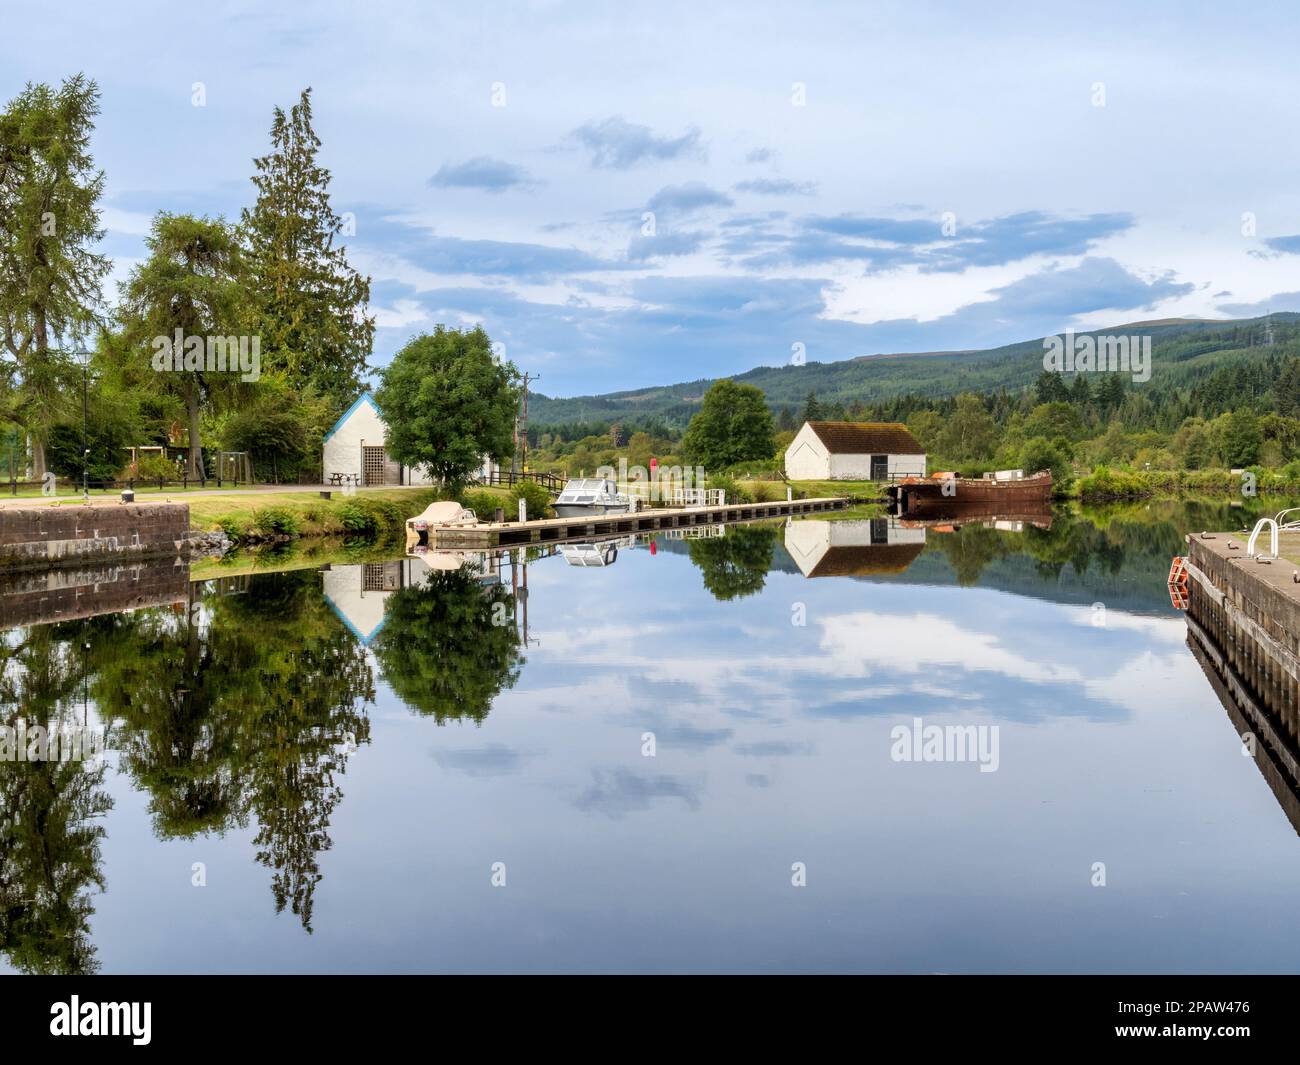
[378, 468]
[879, 467]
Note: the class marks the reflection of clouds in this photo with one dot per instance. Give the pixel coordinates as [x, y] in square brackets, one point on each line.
[617, 792]
[1166, 630]
[772, 749]
[861, 642]
[1152, 682]
[689, 737]
[758, 780]
[492, 760]
[993, 652]
[985, 691]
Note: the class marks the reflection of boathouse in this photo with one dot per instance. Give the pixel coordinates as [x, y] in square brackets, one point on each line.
[359, 593]
[853, 548]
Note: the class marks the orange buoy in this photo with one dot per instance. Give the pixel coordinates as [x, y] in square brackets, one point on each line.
[1178, 583]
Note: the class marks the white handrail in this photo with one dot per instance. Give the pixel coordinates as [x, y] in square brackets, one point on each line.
[1254, 535]
[1293, 524]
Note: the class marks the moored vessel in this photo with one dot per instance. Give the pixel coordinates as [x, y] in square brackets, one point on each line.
[1007, 491]
[585, 496]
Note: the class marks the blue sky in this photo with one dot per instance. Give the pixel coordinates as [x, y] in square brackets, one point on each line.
[853, 178]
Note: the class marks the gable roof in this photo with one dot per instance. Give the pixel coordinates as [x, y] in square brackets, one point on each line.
[866, 560]
[365, 397]
[863, 438]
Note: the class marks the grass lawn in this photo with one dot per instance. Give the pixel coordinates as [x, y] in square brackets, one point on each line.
[69, 488]
[207, 511]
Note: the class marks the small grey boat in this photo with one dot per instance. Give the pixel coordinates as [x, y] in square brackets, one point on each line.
[587, 496]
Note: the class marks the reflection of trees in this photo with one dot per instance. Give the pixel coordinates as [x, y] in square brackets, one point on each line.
[971, 548]
[449, 646]
[735, 565]
[49, 841]
[242, 706]
[1132, 543]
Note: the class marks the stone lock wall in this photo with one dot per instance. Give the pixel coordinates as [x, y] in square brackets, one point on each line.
[76, 534]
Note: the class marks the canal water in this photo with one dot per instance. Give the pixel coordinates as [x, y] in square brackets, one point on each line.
[703, 754]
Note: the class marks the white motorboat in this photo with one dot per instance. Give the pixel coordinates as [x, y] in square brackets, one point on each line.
[586, 496]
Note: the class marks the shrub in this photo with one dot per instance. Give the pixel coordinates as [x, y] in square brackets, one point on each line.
[764, 492]
[151, 467]
[537, 498]
[356, 520]
[1105, 483]
[735, 492]
[484, 504]
[277, 521]
[235, 528]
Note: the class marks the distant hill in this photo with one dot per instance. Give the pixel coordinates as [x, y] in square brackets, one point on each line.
[1184, 350]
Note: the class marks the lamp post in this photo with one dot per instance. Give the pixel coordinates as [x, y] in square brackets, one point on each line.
[84, 357]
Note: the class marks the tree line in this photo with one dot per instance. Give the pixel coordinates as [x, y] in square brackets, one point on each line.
[278, 276]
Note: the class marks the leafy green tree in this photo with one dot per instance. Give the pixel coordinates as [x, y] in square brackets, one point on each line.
[1039, 453]
[733, 425]
[970, 433]
[50, 274]
[281, 430]
[813, 411]
[447, 402]
[192, 281]
[1241, 438]
[926, 426]
[1054, 419]
[310, 304]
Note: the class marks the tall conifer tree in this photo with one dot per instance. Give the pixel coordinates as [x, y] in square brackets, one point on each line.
[309, 303]
[50, 275]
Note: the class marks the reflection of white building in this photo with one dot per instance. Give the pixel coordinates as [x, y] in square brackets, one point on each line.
[359, 593]
[852, 548]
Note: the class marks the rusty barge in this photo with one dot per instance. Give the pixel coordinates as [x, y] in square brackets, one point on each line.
[947, 495]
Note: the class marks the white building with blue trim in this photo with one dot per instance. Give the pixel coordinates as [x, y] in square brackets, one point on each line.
[355, 448]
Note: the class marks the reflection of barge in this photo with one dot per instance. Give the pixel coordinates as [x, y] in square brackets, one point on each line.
[951, 496]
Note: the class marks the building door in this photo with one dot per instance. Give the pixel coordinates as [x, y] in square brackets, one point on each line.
[879, 467]
[374, 465]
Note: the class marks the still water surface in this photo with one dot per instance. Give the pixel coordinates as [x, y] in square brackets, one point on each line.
[352, 759]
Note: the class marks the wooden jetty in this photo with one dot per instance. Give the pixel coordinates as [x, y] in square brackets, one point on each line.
[487, 535]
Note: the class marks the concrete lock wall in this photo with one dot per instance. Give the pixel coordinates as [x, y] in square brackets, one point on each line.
[74, 534]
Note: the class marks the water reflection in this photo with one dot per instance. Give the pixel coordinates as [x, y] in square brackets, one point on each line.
[243, 704]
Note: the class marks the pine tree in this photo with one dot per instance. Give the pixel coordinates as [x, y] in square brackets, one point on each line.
[49, 223]
[309, 303]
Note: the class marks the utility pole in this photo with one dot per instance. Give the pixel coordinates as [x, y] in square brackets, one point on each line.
[521, 430]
